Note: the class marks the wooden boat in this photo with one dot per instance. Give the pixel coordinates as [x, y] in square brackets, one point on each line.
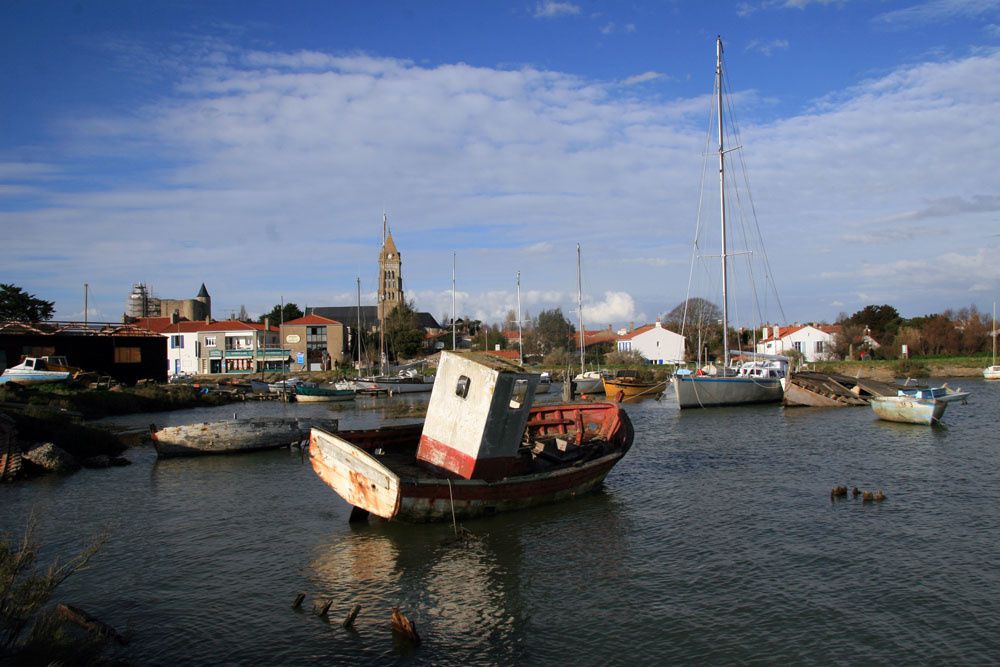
[483, 449]
[33, 370]
[406, 382]
[909, 409]
[236, 436]
[318, 393]
[625, 386]
[820, 390]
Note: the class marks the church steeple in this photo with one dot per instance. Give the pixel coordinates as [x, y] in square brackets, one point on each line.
[390, 264]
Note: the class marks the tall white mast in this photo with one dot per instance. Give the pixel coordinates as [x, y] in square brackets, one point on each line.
[453, 337]
[358, 335]
[722, 207]
[579, 305]
[994, 332]
[520, 335]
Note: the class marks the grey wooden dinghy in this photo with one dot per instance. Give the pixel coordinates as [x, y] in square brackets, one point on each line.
[235, 436]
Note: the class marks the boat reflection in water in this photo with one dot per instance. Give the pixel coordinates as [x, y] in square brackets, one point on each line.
[474, 599]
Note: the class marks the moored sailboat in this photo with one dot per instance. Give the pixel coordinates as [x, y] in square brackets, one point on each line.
[754, 381]
[992, 372]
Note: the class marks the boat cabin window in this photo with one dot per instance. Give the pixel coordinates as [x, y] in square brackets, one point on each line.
[519, 393]
[29, 363]
[462, 388]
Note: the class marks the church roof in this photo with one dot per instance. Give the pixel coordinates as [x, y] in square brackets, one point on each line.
[202, 292]
[389, 246]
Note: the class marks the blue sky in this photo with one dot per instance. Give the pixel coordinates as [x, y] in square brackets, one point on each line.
[252, 146]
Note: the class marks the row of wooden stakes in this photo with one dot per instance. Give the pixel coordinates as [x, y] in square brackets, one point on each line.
[401, 625]
[866, 496]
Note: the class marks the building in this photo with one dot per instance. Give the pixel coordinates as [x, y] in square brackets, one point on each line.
[316, 343]
[142, 304]
[124, 352]
[653, 342]
[230, 346]
[390, 271]
[813, 341]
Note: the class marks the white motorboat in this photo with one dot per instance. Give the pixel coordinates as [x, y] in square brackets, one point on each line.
[33, 370]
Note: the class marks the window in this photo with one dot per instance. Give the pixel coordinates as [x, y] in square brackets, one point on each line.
[819, 347]
[128, 355]
[517, 396]
[209, 341]
[462, 387]
[176, 342]
[797, 345]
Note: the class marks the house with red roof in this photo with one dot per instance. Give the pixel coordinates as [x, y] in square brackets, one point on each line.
[813, 341]
[228, 346]
[316, 343]
[657, 344]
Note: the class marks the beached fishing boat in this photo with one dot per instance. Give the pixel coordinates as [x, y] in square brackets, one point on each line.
[320, 393]
[482, 449]
[821, 390]
[909, 409]
[235, 436]
[33, 371]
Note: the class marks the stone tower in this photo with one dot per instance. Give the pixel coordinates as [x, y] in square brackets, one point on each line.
[203, 297]
[390, 282]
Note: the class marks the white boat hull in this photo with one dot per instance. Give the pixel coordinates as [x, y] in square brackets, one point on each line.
[589, 383]
[991, 373]
[705, 391]
[908, 410]
[33, 377]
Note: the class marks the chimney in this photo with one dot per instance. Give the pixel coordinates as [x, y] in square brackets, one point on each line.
[174, 317]
[609, 328]
[763, 332]
[631, 326]
[659, 324]
[208, 319]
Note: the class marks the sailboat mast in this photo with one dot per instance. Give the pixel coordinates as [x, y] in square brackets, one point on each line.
[994, 332]
[722, 207]
[520, 335]
[453, 336]
[358, 342]
[579, 305]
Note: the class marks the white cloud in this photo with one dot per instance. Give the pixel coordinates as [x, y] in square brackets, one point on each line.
[937, 11]
[258, 156]
[615, 307]
[767, 47]
[551, 8]
[642, 78]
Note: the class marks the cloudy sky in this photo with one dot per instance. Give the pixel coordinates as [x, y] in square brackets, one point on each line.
[253, 146]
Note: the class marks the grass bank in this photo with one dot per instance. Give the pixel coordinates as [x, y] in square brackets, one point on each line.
[921, 367]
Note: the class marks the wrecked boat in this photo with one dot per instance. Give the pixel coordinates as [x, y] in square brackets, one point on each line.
[909, 409]
[235, 436]
[483, 449]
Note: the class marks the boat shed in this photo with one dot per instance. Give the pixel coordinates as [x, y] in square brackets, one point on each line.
[126, 353]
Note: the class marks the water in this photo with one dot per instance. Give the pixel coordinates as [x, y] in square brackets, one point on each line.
[713, 541]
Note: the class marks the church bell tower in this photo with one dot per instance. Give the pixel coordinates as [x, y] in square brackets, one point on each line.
[390, 283]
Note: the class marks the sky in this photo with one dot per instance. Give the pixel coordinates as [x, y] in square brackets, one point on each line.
[253, 146]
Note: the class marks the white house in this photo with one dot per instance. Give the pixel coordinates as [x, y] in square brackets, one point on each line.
[813, 341]
[217, 347]
[658, 345]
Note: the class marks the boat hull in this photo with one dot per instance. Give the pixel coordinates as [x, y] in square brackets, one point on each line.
[818, 391]
[33, 377]
[589, 383]
[991, 373]
[624, 390]
[324, 398]
[909, 410]
[704, 391]
[230, 437]
[409, 493]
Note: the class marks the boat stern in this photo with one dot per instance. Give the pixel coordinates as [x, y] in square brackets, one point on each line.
[354, 474]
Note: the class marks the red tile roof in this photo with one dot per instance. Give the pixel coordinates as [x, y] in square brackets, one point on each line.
[635, 332]
[310, 319]
[162, 325]
[504, 354]
[781, 332]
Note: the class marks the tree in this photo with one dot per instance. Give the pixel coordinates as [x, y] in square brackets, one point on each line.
[882, 321]
[16, 304]
[281, 314]
[849, 340]
[554, 330]
[700, 312]
[403, 334]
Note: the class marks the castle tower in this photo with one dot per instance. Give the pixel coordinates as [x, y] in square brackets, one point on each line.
[390, 282]
[203, 297]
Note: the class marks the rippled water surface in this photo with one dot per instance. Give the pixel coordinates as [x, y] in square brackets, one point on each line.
[713, 541]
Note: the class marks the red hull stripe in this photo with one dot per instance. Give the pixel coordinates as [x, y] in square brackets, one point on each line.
[440, 455]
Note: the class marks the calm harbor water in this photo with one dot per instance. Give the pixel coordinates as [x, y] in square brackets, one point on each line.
[713, 541]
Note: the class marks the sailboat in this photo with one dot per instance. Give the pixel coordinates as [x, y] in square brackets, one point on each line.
[587, 382]
[755, 381]
[992, 372]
